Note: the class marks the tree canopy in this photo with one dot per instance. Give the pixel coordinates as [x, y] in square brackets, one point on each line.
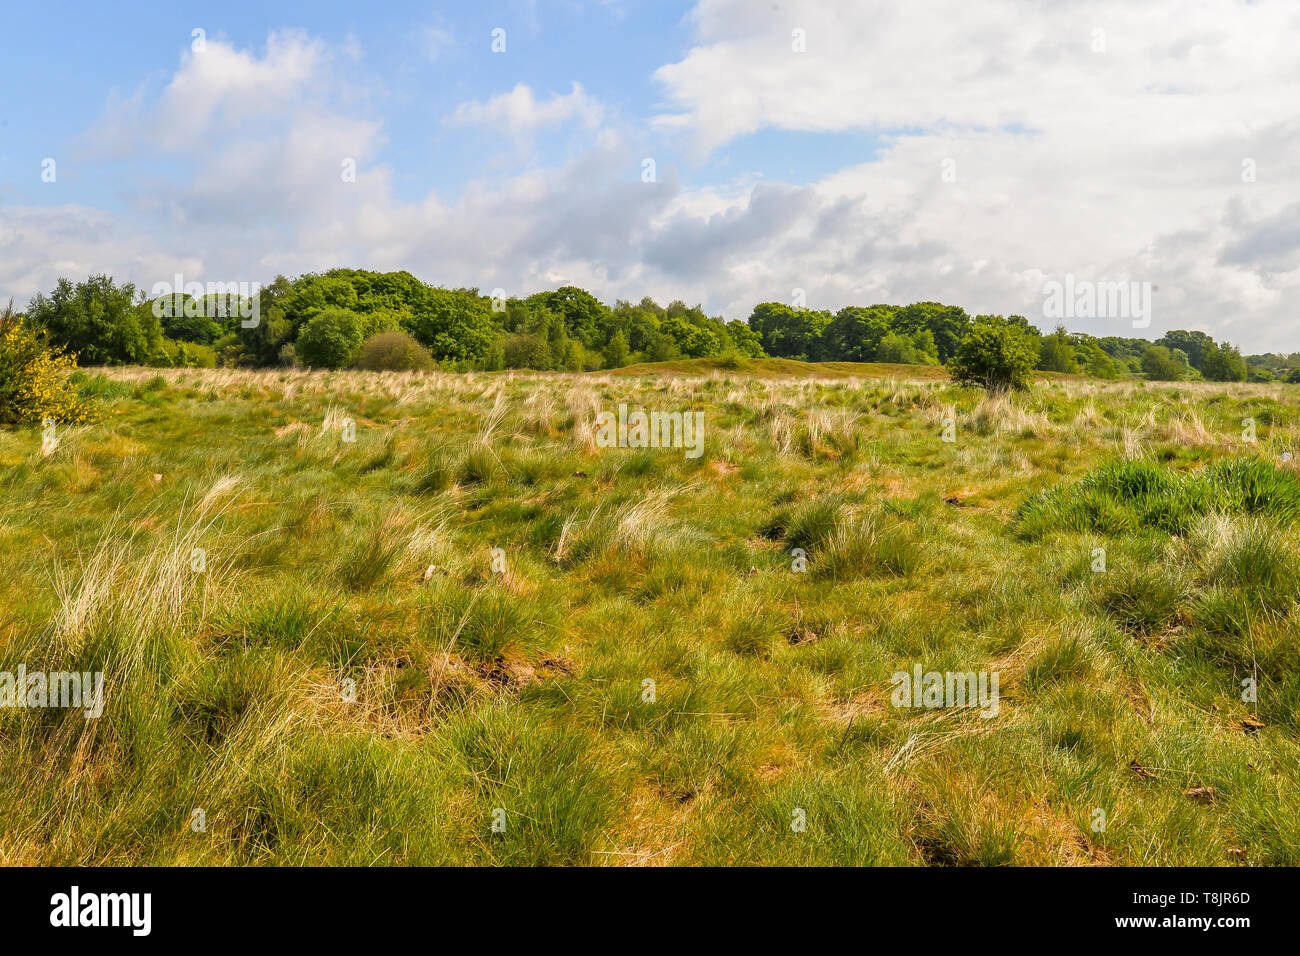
[321, 319]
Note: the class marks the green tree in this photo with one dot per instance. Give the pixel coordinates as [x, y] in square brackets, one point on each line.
[787, 332]
[1056, 352]
[452, 323]
[947, 323]
[1223, 363]
[1093, 359]
[1195, 345]
[855, 334]
[584, 315]
[745, 340]
[691, 340]
[1159, 364]
[99, 321]
[616, 351]
[915, 349]
[329, 339]
[995, 355]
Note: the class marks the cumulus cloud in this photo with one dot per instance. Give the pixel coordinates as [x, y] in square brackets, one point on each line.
[215, 86]
[1077, 139]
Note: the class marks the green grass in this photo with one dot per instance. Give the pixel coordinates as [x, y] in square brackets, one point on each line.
[472, 637]
[1127, 495]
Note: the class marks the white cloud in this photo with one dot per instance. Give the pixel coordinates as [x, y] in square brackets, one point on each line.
[1076, 151]
[521, 114]
[217, 86]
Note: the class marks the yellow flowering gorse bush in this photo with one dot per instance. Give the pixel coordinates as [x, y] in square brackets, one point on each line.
[34, 378]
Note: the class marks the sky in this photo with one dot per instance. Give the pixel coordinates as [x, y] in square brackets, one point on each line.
[722, 152]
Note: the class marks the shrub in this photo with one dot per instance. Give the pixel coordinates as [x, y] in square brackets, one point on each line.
[181, 354]
[33, 384]
[527, 351]
[329, 339]
[1159, 364]
[394, 351]
[996, 356]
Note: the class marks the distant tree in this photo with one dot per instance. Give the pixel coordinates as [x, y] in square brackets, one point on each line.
[1056, 352]
[1092, 359]
[264, 342]
[329, 339]
[1159, 364]
[692, 340]
[855, 333]
[1223, 363]
[947, 323]
[616, 351]
[453, 324]
[915, 349]
[584, 315]
[99, 321]
[1125, 353]
[1195, 345]
[194, 324]
[661, 348]
[787, 332]
[995, 355]
[745, 340]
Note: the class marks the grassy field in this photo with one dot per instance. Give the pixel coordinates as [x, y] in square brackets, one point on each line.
[471, 636]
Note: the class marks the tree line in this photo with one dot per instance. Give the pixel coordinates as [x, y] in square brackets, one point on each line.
[391, 320]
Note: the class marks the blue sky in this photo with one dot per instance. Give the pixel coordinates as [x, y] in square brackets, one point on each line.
[417, 62]
[854, 153]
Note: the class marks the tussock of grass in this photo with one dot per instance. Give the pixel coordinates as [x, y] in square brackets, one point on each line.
[1123, 496]
[867, 547]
